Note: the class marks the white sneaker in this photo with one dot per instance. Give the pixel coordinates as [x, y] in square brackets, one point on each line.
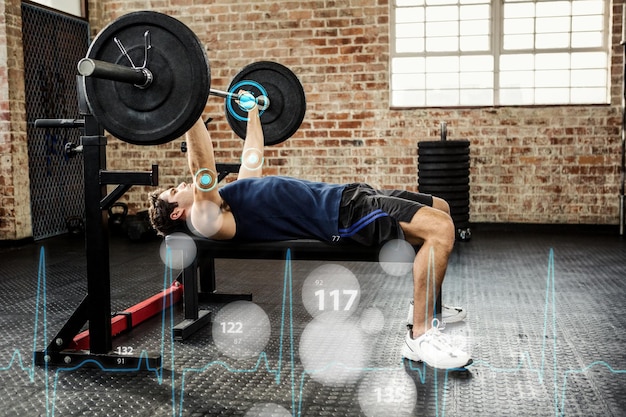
[448, 314]
[435, 349]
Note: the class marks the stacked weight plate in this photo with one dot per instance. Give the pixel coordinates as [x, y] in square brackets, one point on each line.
[443, 171]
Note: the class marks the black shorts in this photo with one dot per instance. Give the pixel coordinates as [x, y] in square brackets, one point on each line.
[372, 217]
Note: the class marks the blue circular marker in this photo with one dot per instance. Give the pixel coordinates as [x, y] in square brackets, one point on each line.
[247, 101]
[205, 179]
[239, 86]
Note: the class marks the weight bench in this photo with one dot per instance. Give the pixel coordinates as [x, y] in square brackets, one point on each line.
[198, 279]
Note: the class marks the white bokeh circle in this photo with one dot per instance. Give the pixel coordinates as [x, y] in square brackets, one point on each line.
[331, 288]
[333, 352]
[252, 159]
[178, 251]
[267, 410]
[387, 393]
[372, 320]
[205, 219]
[396, 257]
[241, 330]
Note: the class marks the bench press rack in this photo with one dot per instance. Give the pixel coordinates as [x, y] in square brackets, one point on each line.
[94, 347]
[69, 347]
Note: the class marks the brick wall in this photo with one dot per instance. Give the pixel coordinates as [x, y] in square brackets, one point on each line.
[15, 217]
[528, 164]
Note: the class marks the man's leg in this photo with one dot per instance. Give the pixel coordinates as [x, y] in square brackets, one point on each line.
[428, 225]
[433, 229]
[437, 203]
[449, 314]
[441, 204]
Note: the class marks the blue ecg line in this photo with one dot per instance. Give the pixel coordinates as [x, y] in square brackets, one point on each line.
[287, 293]
[287, 304]
[297, 388]
[549, 316]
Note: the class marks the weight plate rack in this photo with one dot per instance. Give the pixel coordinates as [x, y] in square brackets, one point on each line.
[443, 171]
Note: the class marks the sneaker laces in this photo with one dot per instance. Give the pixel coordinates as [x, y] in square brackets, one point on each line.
[444, 341]
[437, 324]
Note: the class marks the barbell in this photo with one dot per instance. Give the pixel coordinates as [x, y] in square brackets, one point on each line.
[147, 80]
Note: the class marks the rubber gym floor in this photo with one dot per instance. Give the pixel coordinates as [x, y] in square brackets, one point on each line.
[545, 321]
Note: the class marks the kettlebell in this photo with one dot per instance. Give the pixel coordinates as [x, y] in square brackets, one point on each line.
[117, 217]
[75, 225]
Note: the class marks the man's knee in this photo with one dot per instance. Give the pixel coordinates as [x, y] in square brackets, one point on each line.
[443, 231]
[431, 225]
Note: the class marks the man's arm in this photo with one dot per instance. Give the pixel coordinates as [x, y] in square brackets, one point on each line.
[253, 154]
[201, 162]
[206, 215]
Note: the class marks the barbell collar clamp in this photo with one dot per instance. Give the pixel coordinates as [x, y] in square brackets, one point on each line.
[72, 149]
[263, 102]
[139, 77]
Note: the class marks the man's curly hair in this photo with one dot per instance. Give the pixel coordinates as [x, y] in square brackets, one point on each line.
[159, 213]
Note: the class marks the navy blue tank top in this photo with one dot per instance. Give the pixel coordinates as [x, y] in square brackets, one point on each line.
[283, 208]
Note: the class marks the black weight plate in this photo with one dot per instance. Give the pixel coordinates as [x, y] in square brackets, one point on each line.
[443, 144]
[442, 151]
[451, 198]
[443, 148]
[459, 219]
[456, 200]
[429, 159]
[455, 210]
[443, 181]
[443, 166]
[175, 99]
[287, 106]
[430, 173]
[460, 209]
[433, 189]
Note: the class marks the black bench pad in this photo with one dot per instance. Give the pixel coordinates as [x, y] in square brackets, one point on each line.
[300, 249]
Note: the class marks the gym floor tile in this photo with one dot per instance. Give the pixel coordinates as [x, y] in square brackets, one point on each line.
[545, 323]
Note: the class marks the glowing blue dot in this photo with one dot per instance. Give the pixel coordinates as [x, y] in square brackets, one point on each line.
[206, 179]
[247, 101]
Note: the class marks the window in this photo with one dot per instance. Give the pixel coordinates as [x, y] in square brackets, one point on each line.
[73, 7]
[507, 52]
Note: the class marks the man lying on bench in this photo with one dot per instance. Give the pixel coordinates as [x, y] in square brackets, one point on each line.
[256, 208]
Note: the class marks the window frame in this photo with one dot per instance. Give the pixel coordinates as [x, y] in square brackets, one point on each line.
[496, 51]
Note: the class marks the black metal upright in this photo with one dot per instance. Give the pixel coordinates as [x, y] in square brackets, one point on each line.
[95, 307]
[96, 240]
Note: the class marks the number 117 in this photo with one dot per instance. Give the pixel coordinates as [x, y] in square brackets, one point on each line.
[334, 294]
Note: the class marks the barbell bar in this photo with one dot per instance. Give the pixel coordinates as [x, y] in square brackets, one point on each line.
[160, 100]
[142, 78]
[244, 97]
